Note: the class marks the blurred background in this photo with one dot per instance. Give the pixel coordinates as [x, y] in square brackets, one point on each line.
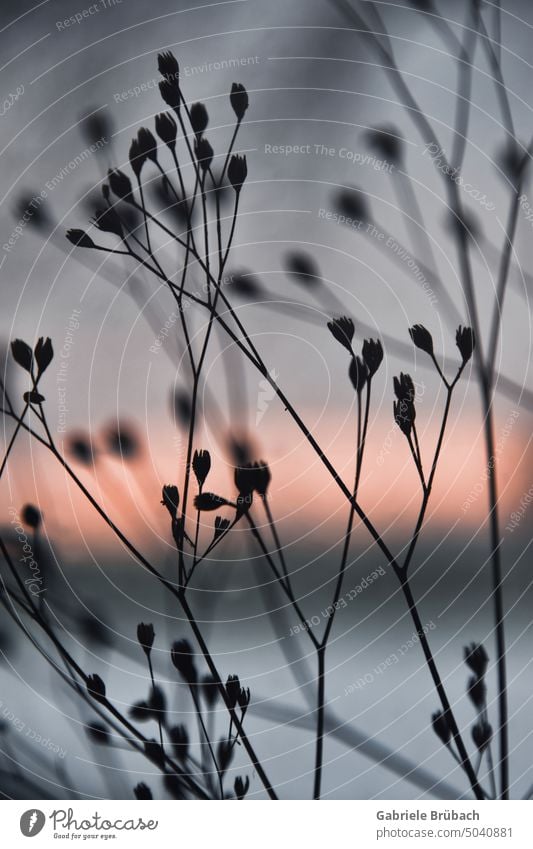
[325, 135]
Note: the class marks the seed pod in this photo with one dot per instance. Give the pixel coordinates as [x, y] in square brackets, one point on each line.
[199, 118]
[239, 100]
[171, 499]
[22, 354]
[372, 355]
[358, 373]
[342, 329]
[80, 239]
[422, 338]
[201, 464]
[145, 636]
[183, 659]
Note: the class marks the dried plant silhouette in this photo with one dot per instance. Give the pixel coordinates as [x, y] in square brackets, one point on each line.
[192, 206]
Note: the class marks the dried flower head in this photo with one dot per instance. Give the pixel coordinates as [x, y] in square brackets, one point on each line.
[233, 689]
[44, 354]
[352, 205]
[79, 239]
[221, 526]
[422, 338]
[171, 499]
[237, 171]
[207, 501]
[204, 153]
[477, 691]
[170, 93]
[142, 791]
[476, 658]
[22, 354]
[201, 464]
[81, 449]
[168, 66]
[137, 157]
[183, 659]
[120, 184]
[404, 388]
[303, 268]
[441, 727]
[31, 516]
[342, 329]
[372, 355]
[199, 118]
[146, 636]
[404, 416]
[167, 129]
[241, 787]
[108, 221]
[387, 142]
[466, 342]
[239, 100]
[96, 687]
[358, 373]
[481, 734]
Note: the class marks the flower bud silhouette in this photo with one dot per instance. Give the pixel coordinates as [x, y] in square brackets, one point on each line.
[31, 516]
[137, 157]
[167, 129]
[239, 100]
[33, 397]
[476, 658]
[96, 688]
[477, 692]
[351, 203]
[108, 221]
[168, 66]
[208, 501]
[145, 636]
[183, 659]
[233, 689]
[387, 142]
[482, 734]
[44, 354]
[372, 355]
[170, 94]
[303, 268]
[241, 787]
[22, 354]
[466, 341]
[147, 144]
[342, 329]
[204, 153]
[358, 373]
[441, 727]
[404, 415]
[199, 118]
[142, 791]
[422, 338]
[80, 239]
[120, 184]
[404, 388]
[237, 171]
[171, 499]
[201, 464]
[221, 525]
